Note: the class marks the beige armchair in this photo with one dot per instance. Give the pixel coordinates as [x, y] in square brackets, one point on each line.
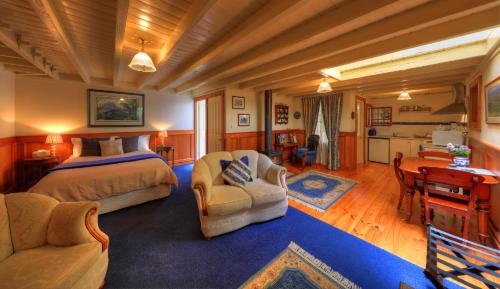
[46, 244]
[224, 208]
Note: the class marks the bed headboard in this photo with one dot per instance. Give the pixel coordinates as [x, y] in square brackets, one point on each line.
[27, 144]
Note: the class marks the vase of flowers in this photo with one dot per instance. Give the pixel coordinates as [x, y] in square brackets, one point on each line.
[461, 153]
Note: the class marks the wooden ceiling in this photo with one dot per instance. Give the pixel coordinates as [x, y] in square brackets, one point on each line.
[199, 45]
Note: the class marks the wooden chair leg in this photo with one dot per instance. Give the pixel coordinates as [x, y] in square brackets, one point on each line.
[466, 224]
[422, 209]
[410, 205]
[427, 215]
[401, 197]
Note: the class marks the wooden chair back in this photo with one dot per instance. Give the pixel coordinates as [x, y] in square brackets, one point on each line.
[312, 142]
[452, 180]
[399, 172]
[435, 154]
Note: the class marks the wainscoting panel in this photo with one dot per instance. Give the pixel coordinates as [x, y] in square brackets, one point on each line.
[347, 150]
[488, 156]
[7, 164]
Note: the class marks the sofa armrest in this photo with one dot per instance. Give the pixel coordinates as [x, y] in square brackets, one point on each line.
[200, 186]
[73, 223]
[277, 175]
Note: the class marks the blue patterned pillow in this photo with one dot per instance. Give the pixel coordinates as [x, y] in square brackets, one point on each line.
[224, 164]
[237, 173]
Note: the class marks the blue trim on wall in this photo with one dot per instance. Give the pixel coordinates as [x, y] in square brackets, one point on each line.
[423, 123]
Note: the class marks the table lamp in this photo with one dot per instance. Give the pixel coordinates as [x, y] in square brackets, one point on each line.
[163, 134]
[53, 139]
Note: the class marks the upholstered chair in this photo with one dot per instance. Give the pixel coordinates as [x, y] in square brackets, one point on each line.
[46, 244]
[224, 208]
[307, 155]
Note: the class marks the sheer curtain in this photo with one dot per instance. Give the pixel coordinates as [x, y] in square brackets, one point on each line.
[322, 155]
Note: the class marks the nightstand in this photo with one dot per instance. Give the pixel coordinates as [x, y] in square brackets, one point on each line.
[33, 169]
[163, 151]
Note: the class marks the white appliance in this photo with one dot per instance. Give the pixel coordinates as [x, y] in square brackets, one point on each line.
[379, 150]
[443, 137]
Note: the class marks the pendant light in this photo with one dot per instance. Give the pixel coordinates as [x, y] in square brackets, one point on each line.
[141, 61]
[324, 86]
[404, 96]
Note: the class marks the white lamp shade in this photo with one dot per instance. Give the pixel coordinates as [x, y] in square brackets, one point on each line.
[404, 96]
[54, 139]
[142, 62]
[324, 86]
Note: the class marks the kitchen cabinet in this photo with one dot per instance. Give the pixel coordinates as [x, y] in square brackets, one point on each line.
[408, 147]
[378, 150]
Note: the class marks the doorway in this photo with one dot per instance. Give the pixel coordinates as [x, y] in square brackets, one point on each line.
[360, 130]
[209, 123]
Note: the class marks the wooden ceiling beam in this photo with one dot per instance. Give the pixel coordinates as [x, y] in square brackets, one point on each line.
[196, 12]
[53, 21]
[121, 23]
[13, 42]
[458, 26]
[334, 21]
[268, 13]
[289, 82]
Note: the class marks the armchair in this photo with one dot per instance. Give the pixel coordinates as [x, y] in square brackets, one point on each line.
[308, 154]
[50, 245]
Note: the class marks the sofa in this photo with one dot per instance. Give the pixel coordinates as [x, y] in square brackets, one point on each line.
[46, 244]
[224, 208]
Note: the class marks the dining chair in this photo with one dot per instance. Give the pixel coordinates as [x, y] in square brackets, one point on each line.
[405, 189]
[447, 199]
[308, 154]
[435, 155]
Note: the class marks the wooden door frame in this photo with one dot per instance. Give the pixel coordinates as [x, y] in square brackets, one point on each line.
[363, 126]
[223, 118]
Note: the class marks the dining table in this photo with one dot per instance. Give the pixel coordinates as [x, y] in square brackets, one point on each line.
[410, 166]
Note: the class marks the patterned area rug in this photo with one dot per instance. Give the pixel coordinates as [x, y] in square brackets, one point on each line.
[318, 190]
[296, 268]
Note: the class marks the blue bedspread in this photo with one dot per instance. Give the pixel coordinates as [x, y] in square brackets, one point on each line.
[77, 165]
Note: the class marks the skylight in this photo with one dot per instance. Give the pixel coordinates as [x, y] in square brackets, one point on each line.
[432, 47]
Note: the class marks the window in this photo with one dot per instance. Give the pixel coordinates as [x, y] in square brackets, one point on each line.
[322, 155]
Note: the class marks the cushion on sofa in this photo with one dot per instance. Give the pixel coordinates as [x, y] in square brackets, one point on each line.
[224, 164]
[263, 192]
[253, 157]
[29, 216]
[237, 174]
[6, 248]
[49, 267]
[226, 200]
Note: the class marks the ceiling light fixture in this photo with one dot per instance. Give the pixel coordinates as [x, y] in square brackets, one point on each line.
[141, 61]
[404, 96]
[324, 86]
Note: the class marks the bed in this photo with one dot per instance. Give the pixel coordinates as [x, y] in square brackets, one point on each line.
[115, 181]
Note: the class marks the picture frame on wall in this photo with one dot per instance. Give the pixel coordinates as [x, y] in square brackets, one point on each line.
[238, 102]
[492, 99]
[114, 109]
[243, 119]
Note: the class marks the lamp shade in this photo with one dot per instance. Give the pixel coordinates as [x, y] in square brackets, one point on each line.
[142, 62]
[54, 139]
[163, 133]
[404, 96]
[324, 86]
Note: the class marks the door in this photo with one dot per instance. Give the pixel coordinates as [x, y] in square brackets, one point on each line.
[209, 123]
[360, 130]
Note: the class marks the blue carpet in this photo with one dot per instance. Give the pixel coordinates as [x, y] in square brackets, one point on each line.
[159, 245]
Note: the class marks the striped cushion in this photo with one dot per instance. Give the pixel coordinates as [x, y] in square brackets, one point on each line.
[237, 173]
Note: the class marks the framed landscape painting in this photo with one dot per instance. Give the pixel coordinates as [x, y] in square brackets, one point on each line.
[492, 98]
[111, 108]
[238, 102]
[243, 119]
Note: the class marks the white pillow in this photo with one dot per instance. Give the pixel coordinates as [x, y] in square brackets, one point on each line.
[143, 143]
[77, 146]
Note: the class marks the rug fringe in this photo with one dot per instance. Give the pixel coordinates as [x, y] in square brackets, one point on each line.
[306, 204]
[322, 267]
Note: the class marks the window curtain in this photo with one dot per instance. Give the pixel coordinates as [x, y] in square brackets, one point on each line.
[331, 105]
[322, 155]
[310, 109]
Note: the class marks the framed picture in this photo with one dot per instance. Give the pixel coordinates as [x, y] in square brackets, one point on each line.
[492, 98]
[111, 108]
[243, 119]
[238, 102]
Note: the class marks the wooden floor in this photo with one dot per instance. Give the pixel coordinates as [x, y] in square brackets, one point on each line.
[369, 212]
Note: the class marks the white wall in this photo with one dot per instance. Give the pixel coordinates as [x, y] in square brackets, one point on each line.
[489, 132]
[7, 107]
[251, 107]
[44, 105]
